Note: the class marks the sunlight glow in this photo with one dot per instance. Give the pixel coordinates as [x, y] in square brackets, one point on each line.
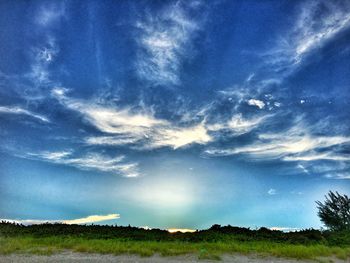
[182, 230]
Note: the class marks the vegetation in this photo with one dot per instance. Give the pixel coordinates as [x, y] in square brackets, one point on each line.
[209, 244]
[335, 211]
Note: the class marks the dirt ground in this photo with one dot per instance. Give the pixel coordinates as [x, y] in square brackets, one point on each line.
[79, 257]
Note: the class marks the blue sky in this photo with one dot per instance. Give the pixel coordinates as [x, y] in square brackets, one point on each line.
[173, 114]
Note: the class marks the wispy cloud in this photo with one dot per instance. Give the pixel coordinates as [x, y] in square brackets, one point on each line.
[238, 124]
[179, 137]
[121, 139]
[163, 43]
[20, 111]
[331, 169]
[338, 175]
[42, 56]
[294, 144]
[91, 161]
[50, 13]
[272, 192]
[143, 130]
[318, 23]
[302, 167]
[84, 220]
[320, 156]
[125, 126]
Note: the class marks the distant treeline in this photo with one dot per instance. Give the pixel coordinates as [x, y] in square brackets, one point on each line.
[213, 234]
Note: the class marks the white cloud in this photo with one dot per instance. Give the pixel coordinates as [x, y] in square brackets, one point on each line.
[47, 52]
[338, 175]
[112, 120]
[295, 144]
[55, 155]
[179, 137]
[272, 191]
[111, 140]
[50, 13]
[277, 104]
[315, 28]
[42, 56]
[250, 77]
[163, 44]
[302, 167]
[20, 111]
[91, 161]
[238, 125]
[47, 18]
[318, 22]
[91, 219]
[84, 220]
[319, 156]
[126, 126]
[258, 103]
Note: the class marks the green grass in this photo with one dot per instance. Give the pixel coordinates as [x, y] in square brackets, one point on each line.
[204, 250]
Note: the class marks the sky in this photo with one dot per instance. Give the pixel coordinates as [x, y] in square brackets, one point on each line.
[173, 114]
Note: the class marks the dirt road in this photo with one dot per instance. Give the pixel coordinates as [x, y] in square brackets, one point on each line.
[78, 257]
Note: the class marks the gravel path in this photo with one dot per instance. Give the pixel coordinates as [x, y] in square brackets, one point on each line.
[79, 257]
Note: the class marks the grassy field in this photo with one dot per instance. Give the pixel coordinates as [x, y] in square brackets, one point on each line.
[207, 244]
[204, 250]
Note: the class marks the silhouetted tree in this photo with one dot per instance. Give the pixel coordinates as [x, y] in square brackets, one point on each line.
[335, 211]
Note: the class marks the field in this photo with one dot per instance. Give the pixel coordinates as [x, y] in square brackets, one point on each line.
[211, 244]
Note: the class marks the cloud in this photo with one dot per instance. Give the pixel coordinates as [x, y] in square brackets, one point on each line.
[179, 137]
[122, 139]
[272, 192]
[302, 167]
[338, 175]
[42, 56]
[258, 103]
[125, 126]
[163, 44]
[319, 156]
[111, 120]
[318, 23]
[84, 220]
[20, 111]
[91, 219]
[50, 14]
[55, 155]
[295, 144]
[238, 125]
[91, 161]
[331, 169]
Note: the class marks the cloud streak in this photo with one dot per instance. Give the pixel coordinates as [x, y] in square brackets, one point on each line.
[125, 126]
[294, 144]
[163, 43]
[85, 220]
[20, 111]
[91, 161]
[318, 23]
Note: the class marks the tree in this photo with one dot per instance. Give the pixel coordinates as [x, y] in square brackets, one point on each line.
[335, 211]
